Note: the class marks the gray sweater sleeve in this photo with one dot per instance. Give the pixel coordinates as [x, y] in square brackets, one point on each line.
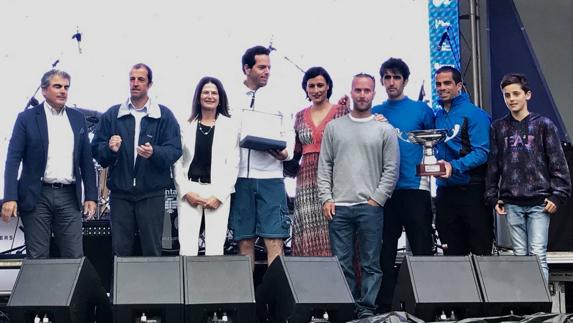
[325, 166]
[391, 166]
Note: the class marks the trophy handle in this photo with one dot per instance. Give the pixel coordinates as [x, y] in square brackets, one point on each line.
[400, 135]
[454, 132]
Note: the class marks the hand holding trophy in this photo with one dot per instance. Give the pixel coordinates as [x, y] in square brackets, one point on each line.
[429, 138]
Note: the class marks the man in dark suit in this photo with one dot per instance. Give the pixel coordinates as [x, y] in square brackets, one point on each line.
[51, 142]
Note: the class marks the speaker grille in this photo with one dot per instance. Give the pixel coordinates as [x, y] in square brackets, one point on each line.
[46, 282]
[153, 280]
[218, 280]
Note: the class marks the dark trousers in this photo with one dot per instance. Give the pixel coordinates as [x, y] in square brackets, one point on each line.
[56, 212]
[412, 210]
[463, 221]
[144, 217]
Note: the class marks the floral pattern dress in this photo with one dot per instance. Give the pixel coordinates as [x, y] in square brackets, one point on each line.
[310, 228]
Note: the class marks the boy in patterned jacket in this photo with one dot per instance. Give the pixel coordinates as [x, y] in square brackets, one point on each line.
[527, 177]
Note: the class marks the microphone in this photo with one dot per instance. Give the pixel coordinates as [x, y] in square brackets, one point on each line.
[78, 37]
[33, 102]
[271, 48]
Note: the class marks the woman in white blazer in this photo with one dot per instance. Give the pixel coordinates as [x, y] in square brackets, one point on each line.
[205, 174]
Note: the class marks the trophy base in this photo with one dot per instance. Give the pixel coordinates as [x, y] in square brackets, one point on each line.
[430, 170]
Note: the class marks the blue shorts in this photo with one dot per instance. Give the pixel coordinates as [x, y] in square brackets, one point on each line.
[259, 209]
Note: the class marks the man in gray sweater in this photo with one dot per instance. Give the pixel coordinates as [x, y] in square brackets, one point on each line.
[357, 171]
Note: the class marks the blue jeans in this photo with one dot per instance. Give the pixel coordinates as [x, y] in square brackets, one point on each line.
[528, 228]
[363, 222]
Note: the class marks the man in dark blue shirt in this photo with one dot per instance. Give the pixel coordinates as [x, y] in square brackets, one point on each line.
[410, 206]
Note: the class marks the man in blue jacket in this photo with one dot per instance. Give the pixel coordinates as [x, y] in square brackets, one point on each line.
[463, 221]
[51, 143]
[139, 140]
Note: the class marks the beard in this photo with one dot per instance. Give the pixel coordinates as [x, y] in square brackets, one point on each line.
[362, 106]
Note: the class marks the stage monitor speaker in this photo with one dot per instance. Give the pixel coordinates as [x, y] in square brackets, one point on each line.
[219, 286]
[62, 290]
[297, 288]
[433, 287]
[512, 284]
[150, 287]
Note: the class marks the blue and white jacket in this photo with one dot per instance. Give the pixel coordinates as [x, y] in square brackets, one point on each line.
[467, 152]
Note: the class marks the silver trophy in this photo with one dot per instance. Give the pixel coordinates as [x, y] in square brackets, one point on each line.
[429, 138]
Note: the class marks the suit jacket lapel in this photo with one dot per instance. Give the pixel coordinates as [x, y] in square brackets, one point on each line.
[77, 130]
[42, 128]
[192, 137]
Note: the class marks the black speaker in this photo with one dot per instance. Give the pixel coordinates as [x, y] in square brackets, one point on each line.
[429, 286]
[512, 284]
[297, 288]
[148, 286]
[219, 286]
[63, 290]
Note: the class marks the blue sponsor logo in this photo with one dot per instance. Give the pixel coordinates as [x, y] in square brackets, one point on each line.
[441, 3]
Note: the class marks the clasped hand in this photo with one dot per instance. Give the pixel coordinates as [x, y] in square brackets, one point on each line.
[195, 200]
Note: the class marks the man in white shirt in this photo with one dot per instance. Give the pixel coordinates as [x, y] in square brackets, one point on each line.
[259, 207]
[51, 143]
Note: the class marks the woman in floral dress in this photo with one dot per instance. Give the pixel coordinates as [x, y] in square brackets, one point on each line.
[310, 228]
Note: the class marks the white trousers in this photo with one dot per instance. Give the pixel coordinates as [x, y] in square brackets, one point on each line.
[189, 221]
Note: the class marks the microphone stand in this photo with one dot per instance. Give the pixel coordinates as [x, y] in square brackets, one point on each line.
[271, 48]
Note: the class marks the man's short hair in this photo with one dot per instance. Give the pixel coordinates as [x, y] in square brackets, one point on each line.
[314, 72]
[249, 56]
[456, 75]
[395, 65]
[145, 66]
[47, 77]
[365, 75]
[515, 78]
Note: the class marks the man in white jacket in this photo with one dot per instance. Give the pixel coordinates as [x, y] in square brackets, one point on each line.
[259, 206]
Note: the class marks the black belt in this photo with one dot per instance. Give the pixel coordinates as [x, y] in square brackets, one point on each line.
[200, 179]
[58, 185]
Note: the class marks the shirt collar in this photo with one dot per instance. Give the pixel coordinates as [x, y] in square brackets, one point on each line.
[131, 106]
[152, 109]
[360, 119]
[248, 90]
[49, 109]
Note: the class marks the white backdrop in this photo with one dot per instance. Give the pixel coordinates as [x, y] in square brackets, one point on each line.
[185, 40]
